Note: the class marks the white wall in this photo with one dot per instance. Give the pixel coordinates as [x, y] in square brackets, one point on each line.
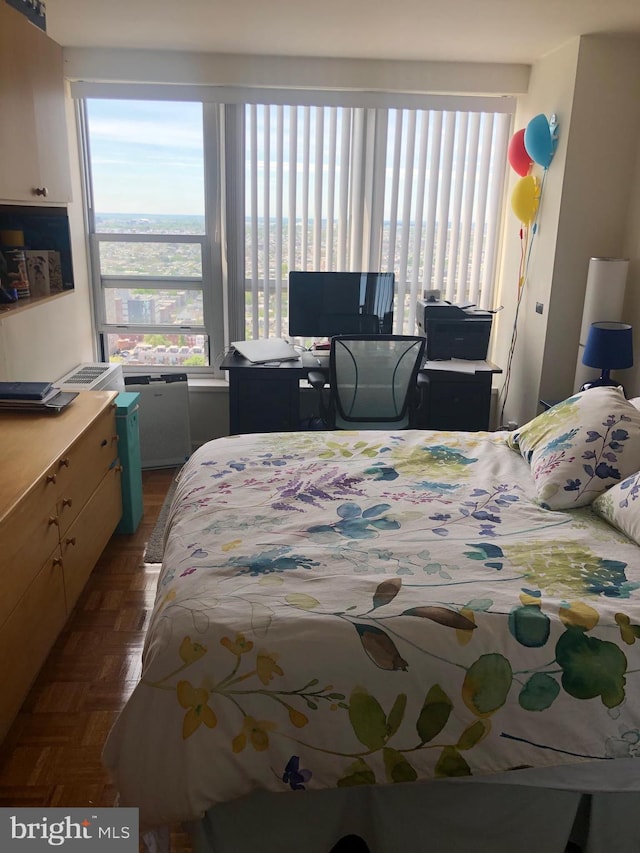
[631, 250]
[591, 84]
[550, 92]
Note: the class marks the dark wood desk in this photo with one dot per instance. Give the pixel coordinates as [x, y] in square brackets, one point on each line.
[456, 394]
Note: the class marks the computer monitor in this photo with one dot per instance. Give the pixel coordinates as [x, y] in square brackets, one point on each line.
[324, 304]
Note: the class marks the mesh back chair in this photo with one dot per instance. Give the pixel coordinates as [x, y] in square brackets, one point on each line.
[373, 381]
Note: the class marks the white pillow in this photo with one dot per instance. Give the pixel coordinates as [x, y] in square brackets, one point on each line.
[580, 447]
[620, 506]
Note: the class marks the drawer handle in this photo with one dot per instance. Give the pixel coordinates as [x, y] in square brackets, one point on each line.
[71, 541]
[104, 442]
[53, 519]
[41, 191]
[57, 561]
[64, 463]
[51, 478]
[67, 502]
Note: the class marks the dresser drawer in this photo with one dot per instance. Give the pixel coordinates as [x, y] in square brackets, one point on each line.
[28, 535]
[84, 466]
[84, 541]
[27, 636]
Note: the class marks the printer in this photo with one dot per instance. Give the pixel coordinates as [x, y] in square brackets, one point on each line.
[454, 331]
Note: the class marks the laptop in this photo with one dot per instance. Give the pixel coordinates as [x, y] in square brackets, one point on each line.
[269, 349]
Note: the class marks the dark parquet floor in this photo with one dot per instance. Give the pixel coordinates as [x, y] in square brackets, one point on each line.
[51, 755]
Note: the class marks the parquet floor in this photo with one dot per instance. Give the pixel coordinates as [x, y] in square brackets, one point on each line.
[51, 755]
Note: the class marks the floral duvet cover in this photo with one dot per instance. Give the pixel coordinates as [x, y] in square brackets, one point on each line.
[339, 609]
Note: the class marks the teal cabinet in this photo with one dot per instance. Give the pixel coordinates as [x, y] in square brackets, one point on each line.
[127, 428]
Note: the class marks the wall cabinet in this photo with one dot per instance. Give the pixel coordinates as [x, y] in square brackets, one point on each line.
[34, 153]
[60, 502]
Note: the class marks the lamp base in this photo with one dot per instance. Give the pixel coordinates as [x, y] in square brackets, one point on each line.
[601, 382]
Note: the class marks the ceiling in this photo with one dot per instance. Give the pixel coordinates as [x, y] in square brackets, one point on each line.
[513, 31]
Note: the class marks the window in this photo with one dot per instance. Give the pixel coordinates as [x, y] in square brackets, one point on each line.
[198, 211]
[414, 192]
[149, 237]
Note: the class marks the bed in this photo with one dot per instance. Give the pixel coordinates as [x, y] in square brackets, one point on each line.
[425, 638]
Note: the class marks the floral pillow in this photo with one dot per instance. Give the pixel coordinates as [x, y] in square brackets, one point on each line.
[620, 506]
[581, 447]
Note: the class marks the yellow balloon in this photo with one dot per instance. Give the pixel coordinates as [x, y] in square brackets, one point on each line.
[525, 199]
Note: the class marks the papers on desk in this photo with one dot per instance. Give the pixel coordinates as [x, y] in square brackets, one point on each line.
[459, 365]
[267, 350]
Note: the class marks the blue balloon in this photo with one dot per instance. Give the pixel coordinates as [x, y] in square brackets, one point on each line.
[538, 140]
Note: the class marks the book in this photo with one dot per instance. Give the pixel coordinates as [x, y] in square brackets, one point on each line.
[24, 390]
[53, 402]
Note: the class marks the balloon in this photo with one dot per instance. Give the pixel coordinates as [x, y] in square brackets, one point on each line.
[518, 156]
[539, 141]
[525, 199]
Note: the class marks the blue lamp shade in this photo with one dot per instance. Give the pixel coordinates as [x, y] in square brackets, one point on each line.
[609, 347]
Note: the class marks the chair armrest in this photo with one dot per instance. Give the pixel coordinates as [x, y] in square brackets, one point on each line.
[316, 378]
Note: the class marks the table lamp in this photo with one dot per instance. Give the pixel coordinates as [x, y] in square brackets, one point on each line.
[609, 347]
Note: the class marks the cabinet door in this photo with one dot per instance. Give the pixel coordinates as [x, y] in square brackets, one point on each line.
[28, 635]
[458, 404]
[82, 544]
[34, 153]
[28, 535]
[263, 401]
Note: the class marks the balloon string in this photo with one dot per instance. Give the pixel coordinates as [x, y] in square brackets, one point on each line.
[504, 391]
[534, 227]
[527, 239]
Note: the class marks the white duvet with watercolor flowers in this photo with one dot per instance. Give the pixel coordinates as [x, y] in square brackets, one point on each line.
[374, 608]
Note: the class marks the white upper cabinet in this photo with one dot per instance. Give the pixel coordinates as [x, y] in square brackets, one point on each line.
[34, 153]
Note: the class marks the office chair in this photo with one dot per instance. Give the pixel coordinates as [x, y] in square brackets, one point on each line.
[373, 381]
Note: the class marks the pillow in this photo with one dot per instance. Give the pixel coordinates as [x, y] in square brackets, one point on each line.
[618, 506]
[580, 447]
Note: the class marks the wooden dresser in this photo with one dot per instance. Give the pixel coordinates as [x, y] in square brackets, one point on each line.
[60, 501]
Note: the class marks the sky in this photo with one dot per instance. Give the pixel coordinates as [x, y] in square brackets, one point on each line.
[147, 157]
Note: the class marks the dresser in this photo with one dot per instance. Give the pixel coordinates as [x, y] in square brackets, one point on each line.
[60, 502]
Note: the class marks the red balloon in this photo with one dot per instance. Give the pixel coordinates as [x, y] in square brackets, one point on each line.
[519, 159]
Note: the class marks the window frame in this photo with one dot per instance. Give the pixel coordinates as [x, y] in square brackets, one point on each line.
[210, 255]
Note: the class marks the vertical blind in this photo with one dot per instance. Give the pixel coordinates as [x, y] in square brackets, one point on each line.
[411, 191]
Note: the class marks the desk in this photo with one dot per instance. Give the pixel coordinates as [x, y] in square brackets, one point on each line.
[266, 397]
